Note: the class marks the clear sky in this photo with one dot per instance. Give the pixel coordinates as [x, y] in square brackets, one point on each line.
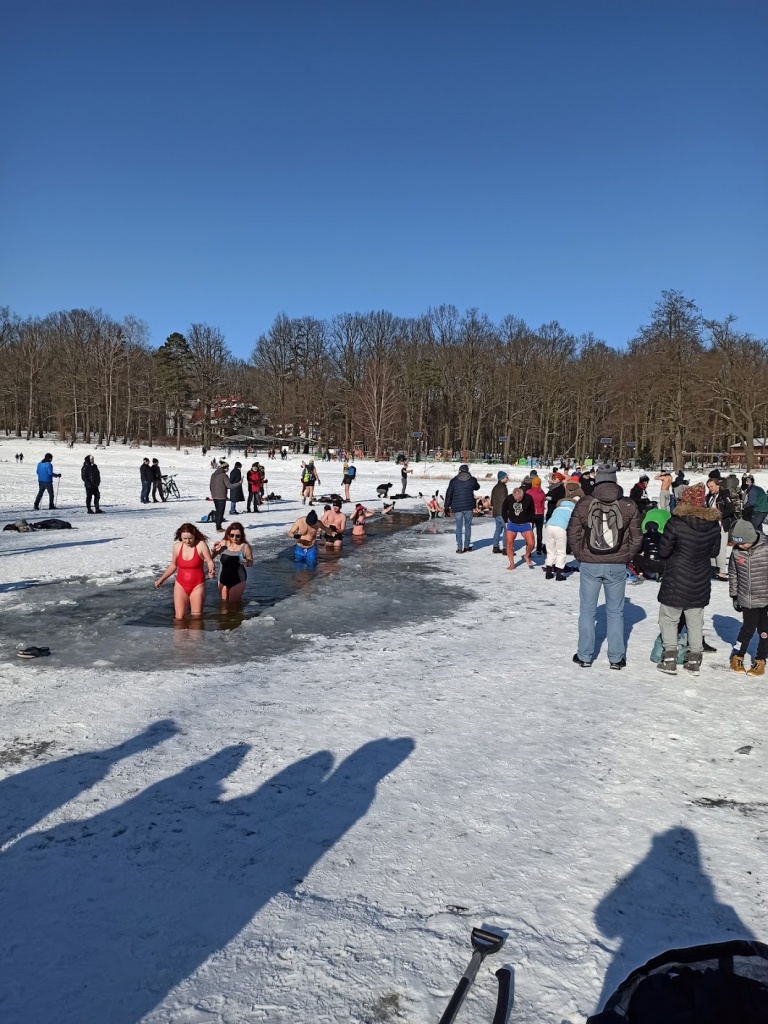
[226, 160]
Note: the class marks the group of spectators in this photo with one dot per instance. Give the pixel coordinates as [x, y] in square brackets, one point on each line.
[696, 534]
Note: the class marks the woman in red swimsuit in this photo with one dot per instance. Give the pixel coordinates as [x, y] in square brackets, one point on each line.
[190, 551]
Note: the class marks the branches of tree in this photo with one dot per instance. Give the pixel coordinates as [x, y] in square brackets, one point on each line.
[682, 384]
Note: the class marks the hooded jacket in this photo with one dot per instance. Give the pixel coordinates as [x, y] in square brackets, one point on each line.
[236, 485]
[690, 540]
[460, 496]
[562, 514]
[498, 495]
[607, 491]
[90, 474]
[219, 484]
[748, 574]
[554, 495]
[539, 500]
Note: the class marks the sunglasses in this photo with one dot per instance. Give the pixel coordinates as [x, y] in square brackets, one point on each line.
[235, 536]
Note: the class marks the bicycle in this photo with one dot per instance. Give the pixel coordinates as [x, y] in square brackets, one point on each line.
[170, 489]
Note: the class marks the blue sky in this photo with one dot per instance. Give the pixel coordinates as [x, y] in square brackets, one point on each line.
[223, 162]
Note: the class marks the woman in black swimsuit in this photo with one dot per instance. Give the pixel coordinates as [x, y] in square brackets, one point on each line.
[235, 555]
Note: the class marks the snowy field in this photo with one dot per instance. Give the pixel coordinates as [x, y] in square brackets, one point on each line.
[301, 818]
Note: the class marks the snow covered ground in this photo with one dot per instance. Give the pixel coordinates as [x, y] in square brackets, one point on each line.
[301, 818]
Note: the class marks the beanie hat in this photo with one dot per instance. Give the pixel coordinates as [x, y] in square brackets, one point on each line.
[695, 495]
[311, 518]
[463, 468]
[536, 481]
[558, 476]
[714, 474]
[502, 475]
[605, 475]
[743, 532]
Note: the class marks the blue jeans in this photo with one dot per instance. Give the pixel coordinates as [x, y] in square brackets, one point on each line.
[43, 489]
[145, 486]
[463, 519]
[614, 579]
[498, 533]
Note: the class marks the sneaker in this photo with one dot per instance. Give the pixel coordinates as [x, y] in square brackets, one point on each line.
[668, 662]
[708, 648]
[584, 664]
[469, 548]
[618, 665]
[33, 652]
[693, 663]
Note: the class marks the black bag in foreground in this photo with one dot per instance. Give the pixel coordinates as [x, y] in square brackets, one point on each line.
[718, 983]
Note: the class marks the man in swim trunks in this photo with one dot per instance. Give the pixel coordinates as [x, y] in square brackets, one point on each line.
[335, 523]
[304, 532]
[518, 510]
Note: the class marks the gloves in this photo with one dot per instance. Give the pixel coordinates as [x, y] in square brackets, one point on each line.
[736, 605]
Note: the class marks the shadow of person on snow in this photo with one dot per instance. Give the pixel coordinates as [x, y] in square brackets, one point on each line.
[633, 614]
[28, 796]
[103, 917]
[666, 902]
[727, 628]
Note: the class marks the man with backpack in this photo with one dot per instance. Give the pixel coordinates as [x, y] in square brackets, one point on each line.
[349, 475]
[604, 535]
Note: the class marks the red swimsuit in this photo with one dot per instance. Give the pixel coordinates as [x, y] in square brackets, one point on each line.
[189, 571]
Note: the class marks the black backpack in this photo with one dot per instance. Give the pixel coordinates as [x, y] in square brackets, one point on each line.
[604, 527]
[718, 983]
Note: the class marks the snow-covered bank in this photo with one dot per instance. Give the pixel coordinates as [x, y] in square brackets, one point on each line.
[314, 835]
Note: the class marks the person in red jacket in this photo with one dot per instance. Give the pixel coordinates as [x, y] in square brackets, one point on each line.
[539, 504]
[254, 479]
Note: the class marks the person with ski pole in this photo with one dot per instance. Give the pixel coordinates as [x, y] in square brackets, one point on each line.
[45, 475]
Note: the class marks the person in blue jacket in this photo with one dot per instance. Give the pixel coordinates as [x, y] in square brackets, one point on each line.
[45, 477]
[460, 502]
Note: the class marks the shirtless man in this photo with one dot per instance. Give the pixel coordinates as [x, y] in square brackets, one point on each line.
[335, 523]
[665, 493]
[304, 532]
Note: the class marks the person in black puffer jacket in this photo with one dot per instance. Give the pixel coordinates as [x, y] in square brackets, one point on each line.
[690, 540]
[91, 477]
[460, 501]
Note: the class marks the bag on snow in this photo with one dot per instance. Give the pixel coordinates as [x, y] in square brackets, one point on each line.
[604, 528]
[210, 518]
[718, 983]
[682, 649]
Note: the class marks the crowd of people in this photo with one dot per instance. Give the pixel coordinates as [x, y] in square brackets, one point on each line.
[694, 535]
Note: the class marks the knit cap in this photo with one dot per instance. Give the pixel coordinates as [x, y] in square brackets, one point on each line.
[536, 481]
[695, 495]
[606, 475]
[502, 475]
[463, 468]
[743, 532]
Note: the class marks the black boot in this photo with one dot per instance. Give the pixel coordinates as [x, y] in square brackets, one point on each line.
[89, 510]
[549, 572]
[497, 550]
[560, 576]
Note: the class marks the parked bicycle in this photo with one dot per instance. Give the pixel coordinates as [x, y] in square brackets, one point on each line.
[170, 490]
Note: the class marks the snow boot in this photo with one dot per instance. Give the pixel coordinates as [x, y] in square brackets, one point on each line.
[668, 662]
[496, 550]
[560, 576]
[89, 511]
[549, 573]
[737, 662]
[693, 662]
[758, 667]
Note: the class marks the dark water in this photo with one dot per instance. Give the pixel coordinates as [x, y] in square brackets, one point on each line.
[285, 606]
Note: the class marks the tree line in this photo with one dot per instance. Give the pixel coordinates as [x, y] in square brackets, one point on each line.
[446, 380]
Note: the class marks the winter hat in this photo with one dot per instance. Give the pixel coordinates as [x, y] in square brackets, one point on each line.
[535, 481]
[311, 518]
[558, 476]
[714, 474]
[606, 475]
[575, 476]
[501, 475]
[695, 495]
[463, 468]
[743, 532]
